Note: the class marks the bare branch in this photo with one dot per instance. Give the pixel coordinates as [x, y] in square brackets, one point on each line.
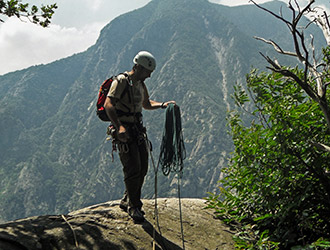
[323, 21]
[295, 33]
[311, 72]
[279, 69]
[297, 5]
[317, 76]
[276, 47]
[321, 146]
[275, 64]
[327, 84]
[270, 12]
[306, 9]
[297, 36]
[326, 19]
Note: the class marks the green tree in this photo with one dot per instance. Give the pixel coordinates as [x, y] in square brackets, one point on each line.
[38, 15]
[277, 185]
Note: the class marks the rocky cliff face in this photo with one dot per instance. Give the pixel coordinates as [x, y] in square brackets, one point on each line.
[105, 226]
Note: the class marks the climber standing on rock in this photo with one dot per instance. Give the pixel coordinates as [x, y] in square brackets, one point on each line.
[126, 98]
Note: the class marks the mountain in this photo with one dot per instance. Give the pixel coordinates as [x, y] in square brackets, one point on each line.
[54, 154]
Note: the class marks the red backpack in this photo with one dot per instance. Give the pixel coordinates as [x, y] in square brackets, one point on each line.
[102, 96]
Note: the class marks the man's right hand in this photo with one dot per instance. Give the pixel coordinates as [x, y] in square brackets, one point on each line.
[122, 134]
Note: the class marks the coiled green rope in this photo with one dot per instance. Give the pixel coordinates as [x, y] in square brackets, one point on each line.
[172, 154]
[172, 150]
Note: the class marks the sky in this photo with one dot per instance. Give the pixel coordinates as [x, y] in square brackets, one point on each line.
[75, 27]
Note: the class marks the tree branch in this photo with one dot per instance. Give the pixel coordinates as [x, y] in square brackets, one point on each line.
[302, 53]
[323, 22]
[270, 12]
[279, 69]
[321, 146]
[41, 16]
[276, 46]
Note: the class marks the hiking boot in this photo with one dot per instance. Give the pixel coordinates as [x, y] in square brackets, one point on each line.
[124, 205]
[124, 202]
[136, 214]
[142, 212]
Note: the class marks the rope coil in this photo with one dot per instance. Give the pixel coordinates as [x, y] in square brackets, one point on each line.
[172, 150]
[172, 154]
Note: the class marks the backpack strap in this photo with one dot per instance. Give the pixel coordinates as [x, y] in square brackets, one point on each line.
[126, 90]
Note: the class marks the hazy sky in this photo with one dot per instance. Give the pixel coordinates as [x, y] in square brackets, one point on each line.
[75, 27]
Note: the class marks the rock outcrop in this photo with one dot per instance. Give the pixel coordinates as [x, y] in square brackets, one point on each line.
[106, 226]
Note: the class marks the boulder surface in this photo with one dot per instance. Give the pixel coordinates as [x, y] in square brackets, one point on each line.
[106, 226]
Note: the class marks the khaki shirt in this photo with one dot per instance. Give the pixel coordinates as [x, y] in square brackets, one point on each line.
[131, 101]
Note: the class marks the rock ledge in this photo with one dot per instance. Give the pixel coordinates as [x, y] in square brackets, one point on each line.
[106, 226]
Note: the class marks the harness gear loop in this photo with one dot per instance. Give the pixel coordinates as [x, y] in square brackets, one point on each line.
[111, 137]
[116, 144]
[123, 147]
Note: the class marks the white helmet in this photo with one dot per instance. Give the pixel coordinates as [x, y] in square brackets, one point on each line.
[146, 60]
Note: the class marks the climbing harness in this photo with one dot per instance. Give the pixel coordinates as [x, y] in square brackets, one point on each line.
[122, 147]
[136, 130]
[172, 154]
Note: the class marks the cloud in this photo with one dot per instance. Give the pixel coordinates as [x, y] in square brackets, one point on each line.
[236, 2]
[97, 5]
[322, 3]
[25, 44]
[75, 27]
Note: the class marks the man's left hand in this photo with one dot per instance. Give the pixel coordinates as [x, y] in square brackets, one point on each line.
[165, 104]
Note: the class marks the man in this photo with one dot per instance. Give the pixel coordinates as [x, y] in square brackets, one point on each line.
[126, 98]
